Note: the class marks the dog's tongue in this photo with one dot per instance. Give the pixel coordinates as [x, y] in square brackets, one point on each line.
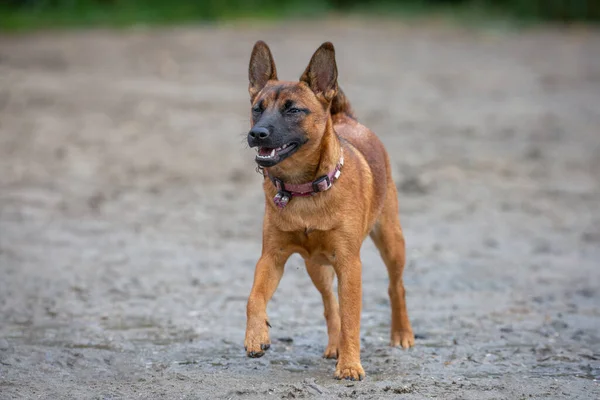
[264, 151]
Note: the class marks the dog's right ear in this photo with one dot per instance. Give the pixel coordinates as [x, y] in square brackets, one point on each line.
[261, 69]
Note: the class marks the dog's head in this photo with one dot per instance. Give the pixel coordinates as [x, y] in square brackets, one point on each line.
[289, 118]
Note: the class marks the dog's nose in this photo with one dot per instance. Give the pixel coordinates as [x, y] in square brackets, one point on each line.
[259, 133]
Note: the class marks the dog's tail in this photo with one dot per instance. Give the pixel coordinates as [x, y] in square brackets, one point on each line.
[341, 105]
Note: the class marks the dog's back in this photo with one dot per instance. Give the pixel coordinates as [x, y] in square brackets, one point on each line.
[365, 142]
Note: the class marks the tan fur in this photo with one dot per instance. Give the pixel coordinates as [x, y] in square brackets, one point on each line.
[328, 229]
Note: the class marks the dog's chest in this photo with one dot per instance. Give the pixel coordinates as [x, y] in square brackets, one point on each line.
[306, 216]
[316, 246]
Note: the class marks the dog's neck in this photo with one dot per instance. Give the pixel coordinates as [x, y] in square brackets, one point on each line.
[320, 163]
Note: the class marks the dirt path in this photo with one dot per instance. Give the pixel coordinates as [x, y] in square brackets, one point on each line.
[130, 215]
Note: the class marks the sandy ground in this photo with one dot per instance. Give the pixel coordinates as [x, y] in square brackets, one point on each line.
[130, 214]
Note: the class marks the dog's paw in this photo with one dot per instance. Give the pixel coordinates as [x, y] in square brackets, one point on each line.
[351, 371]
[257, 341]
[255, 353]
[331, 352]
[405, 339]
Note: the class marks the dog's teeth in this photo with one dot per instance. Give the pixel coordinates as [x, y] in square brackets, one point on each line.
[284, 146]
[272, 153]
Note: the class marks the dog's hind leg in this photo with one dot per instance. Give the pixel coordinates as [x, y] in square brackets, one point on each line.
[322, 276]
[387, 236]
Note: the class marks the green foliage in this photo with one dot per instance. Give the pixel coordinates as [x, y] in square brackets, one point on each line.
[552, 10]
[28, 14]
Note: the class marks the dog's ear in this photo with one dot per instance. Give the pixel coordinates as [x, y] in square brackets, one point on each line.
[261, 69]
[321, 73]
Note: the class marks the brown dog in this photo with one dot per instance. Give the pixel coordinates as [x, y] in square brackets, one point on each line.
[328, 185]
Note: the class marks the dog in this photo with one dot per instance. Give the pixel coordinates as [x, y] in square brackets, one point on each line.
[327, 185]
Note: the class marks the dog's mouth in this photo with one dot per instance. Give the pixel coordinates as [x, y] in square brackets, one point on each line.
[269, 156]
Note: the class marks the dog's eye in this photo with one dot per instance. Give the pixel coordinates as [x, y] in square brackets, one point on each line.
[293, 110]
[258, 108]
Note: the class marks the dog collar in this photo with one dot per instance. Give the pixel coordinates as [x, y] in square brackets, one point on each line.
[285, 191]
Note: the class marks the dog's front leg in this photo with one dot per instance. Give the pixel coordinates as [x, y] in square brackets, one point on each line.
[348, 270]
[267, 275]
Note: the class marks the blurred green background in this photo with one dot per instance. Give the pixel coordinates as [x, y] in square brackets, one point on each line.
[36, 14]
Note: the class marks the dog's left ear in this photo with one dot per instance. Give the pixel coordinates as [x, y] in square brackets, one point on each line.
[321, 73]
[261, 69]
